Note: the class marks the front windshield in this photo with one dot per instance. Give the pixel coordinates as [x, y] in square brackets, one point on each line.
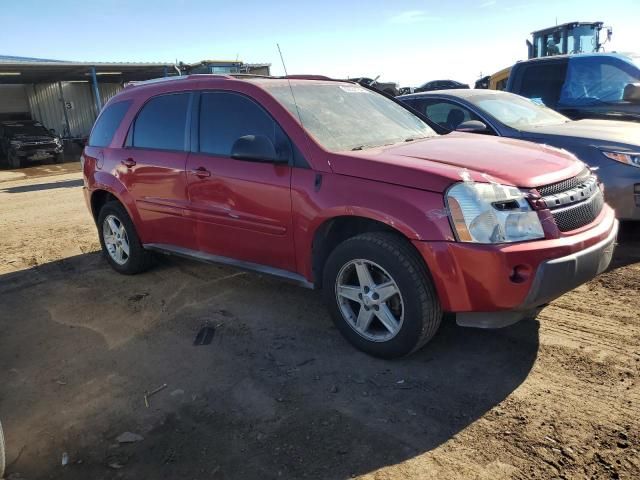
[341, 116]
[25, 129]
[594, 79]
[517, 112]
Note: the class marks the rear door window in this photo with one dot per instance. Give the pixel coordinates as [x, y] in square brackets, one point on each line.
[225, 117]
[107, 124]
[162, 123]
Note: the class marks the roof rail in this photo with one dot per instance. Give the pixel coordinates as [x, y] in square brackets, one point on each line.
[248, 75]
[175, 78]
[307, 77]
[155, 80]
[232, 76]
[209, 75]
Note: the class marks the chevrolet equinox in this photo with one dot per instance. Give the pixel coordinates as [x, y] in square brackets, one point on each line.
[334, 186]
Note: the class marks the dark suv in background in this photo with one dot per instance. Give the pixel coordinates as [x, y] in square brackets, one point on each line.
[22, 141]
[596, 85]
[389, 88]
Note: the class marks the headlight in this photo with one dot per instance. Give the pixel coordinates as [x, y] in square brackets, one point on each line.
[15, 144]
[57, 141]
[491, 213]
[629, 158]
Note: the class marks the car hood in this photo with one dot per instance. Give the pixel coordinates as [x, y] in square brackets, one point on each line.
[30, 138]
[601, 131]
[437, 162]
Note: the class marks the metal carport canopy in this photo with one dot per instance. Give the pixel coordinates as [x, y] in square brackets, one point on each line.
[37, 71]
[58, 71]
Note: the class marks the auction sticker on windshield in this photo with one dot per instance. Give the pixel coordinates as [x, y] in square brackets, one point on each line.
[352, 89]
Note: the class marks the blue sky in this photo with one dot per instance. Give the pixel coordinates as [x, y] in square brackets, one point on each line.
[409, 42]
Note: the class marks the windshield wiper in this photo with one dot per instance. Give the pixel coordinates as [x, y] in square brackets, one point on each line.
[362, 147]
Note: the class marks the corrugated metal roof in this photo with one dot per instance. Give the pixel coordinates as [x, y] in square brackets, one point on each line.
[11, 59]
[25, 70]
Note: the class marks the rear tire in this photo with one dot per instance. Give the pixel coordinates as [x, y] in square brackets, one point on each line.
[120, 242]
[394, 311]
[13, 160]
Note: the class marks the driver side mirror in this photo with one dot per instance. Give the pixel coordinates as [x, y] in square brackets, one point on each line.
[255, 148]
[632, 93]
[472, 126]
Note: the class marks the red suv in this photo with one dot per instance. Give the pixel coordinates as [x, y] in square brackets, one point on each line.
[334, 186]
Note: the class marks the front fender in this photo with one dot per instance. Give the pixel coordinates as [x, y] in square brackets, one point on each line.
[416, 214]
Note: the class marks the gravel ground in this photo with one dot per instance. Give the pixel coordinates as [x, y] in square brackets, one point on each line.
[278, 393]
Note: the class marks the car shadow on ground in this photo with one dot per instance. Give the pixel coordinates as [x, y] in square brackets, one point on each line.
[277, 393]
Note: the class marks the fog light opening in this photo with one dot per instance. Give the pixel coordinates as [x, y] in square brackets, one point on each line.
[520, 273]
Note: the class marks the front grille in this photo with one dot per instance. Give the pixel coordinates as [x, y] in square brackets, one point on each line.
[580, 214]
[30, 147]
[574, 202]
[565, 185]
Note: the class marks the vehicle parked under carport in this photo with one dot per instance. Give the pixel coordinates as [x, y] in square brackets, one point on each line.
[22, 141]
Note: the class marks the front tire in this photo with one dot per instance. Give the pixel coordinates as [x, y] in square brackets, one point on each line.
[380, 295]
[59, 158]
[13, 159]
[3, 457]
[120, 242]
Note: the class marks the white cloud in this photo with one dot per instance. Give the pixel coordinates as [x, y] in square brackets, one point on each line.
[490, 3]
[411, 16]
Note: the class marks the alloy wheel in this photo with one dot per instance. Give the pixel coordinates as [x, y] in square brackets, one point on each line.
[369, 300]
[115, 239]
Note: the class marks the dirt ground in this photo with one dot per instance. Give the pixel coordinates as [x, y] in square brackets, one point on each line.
[278, 393]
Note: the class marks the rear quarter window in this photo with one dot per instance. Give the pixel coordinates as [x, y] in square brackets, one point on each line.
[107, 124]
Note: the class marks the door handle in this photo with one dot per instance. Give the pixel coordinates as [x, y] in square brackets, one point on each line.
[129, 162]
[201, 172]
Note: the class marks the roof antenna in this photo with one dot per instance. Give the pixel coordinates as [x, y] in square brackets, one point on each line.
[304, 130]
[290, 87]
[282, 60]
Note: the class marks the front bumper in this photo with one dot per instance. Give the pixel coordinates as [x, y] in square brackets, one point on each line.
[496, 285]
[560, 275]
[553, 278]
[38, 154]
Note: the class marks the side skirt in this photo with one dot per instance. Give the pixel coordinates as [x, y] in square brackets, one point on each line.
[218, 260]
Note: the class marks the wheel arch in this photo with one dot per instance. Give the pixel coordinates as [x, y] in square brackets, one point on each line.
[98, 199]
[108, 188]
[335, 230]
